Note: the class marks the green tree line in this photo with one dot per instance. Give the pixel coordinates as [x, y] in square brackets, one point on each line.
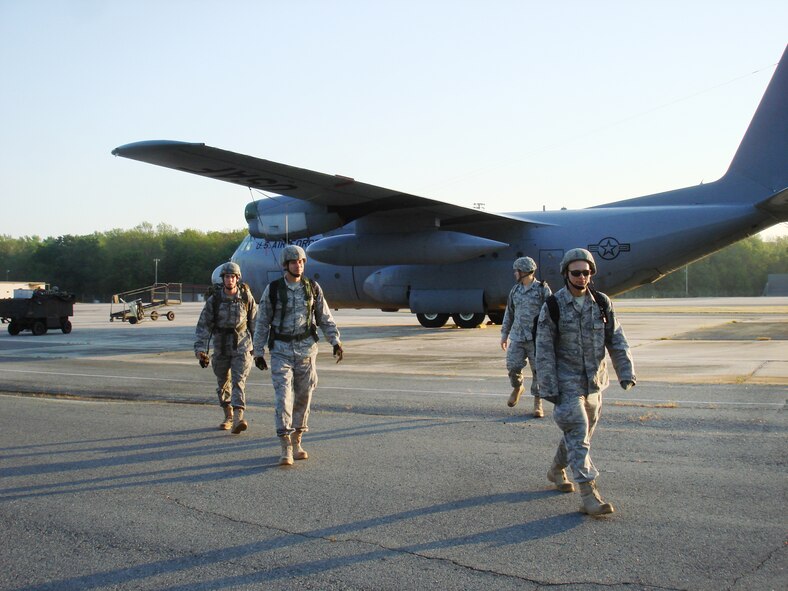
[95, 266]
[740, 269]
[98, 265]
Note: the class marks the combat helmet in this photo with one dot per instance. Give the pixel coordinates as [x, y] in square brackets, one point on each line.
[230, 268]
[291, 252]
[524, 265]
[577, 254]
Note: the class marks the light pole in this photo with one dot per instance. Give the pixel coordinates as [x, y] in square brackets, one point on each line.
[156, 275]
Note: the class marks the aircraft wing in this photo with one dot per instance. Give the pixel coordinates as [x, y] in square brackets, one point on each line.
[349, 198]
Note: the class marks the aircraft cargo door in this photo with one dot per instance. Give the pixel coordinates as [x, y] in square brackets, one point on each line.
[549, 268]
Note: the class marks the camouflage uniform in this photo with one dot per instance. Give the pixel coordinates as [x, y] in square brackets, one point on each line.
[522, 307]
[293, 362]
[571, 366]
[232, 343]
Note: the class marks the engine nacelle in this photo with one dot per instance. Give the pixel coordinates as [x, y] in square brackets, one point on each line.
[286, 218]
[436, 247]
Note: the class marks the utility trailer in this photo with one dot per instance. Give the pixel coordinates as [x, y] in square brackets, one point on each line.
[43, 310]
[134, 305]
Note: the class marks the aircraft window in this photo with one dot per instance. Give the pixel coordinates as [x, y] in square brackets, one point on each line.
[495, 255]
[519, 254]
[316, 275]
[336, 275]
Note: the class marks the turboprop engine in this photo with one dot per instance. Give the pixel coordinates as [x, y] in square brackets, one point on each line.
[437, 247]
[278, 218]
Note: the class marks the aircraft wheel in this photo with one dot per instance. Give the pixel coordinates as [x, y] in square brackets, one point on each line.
[432, 320]
[39, 328]
[468, 320]
[170, 316]
[65, 326]
[154, 315]
[132, 320]
[13, 328]
[495, 317]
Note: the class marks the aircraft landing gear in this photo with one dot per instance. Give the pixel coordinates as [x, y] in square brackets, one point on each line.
[463, 320]
[432, 320]
[468, 320]
[495, 317]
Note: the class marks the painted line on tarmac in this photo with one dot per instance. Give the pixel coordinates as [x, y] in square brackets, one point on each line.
[91, 375]
[632, 401]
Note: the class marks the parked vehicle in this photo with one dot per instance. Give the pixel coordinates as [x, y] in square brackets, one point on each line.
[43, 310]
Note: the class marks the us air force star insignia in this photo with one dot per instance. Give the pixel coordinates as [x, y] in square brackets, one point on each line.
[609, 248]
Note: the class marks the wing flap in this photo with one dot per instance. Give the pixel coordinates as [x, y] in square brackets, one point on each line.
[349, 198]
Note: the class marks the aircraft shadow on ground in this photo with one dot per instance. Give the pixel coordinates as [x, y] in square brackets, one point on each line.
[120, 452]
[175, 448]
[515, 534]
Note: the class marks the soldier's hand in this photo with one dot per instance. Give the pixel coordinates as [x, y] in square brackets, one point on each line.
[338, 352]
[504, 344]
[204, 359]
[627, 384]
[260, 363]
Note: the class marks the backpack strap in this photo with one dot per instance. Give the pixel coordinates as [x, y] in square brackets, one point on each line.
[553, 309]
[604, 309]
[215, 292]
[277, 291]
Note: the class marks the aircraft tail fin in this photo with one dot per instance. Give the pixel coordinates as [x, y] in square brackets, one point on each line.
[763, 153]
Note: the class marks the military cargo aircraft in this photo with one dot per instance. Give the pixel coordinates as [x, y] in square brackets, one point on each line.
[373, 247]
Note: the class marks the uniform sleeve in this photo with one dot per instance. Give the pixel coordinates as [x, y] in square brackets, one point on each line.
[618, 348]
[262, 324]
[546, 369]
[508, 318]
[324, 318]
[205, 324]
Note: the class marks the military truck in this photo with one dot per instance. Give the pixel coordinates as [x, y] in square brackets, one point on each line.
[45, 309]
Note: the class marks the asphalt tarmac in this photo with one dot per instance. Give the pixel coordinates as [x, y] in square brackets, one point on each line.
[114, 476]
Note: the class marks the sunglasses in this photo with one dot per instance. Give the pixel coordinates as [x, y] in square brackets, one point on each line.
[584, 273]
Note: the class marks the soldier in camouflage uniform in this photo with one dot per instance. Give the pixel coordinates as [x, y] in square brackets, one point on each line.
[228, 318]
[522, 307]
[570, 364]
[291, 309]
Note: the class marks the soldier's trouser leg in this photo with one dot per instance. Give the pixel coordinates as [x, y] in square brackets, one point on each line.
[240, 366]
[515, 362]
[282, 379]
[577, 417]
[294, 380]
[530, 355]
[221, 369]
[304, 383]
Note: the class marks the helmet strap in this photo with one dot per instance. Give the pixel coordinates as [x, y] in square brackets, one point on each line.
[581, 288]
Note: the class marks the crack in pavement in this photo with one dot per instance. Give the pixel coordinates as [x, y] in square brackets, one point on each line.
[326, 536]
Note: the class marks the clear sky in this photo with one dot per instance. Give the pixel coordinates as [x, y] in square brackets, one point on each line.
[515, 104]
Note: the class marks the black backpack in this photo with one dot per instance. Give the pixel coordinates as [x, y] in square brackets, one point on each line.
[278, 289]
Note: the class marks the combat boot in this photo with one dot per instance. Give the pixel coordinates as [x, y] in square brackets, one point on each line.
[239, 424]
[592, 502]
[228, 418]
[538, 412]
[558, 477]
[286, 459]
[299, 453]
[515, 395]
